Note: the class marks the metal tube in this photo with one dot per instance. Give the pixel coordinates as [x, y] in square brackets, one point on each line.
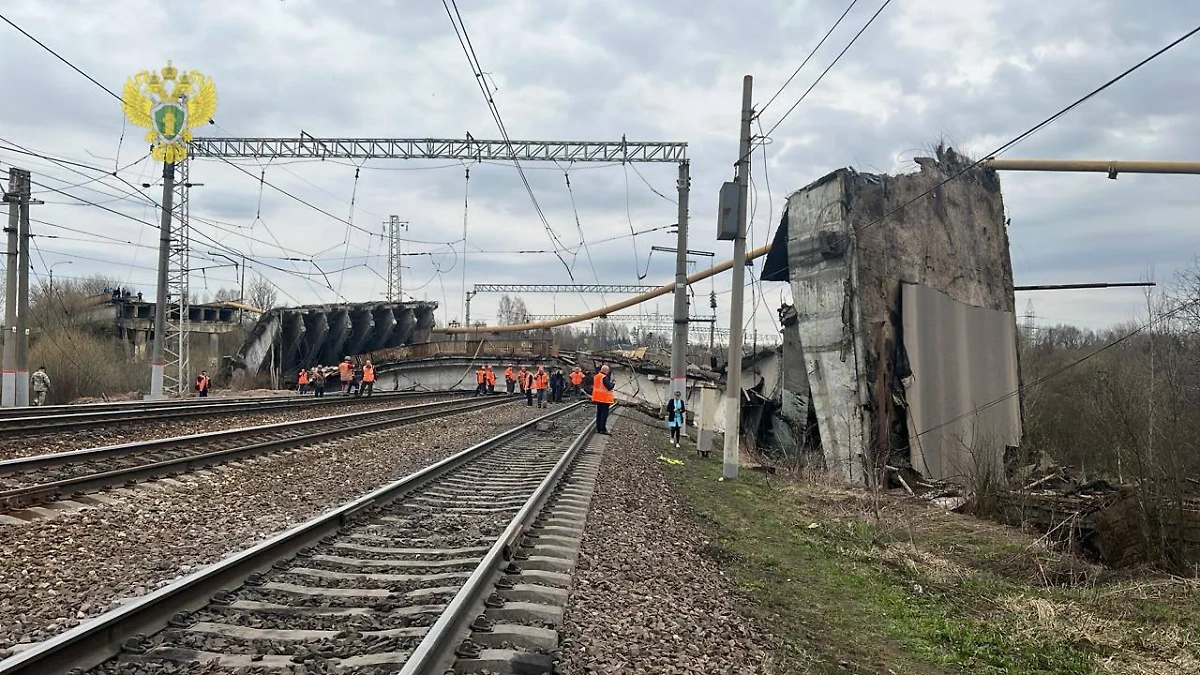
[733, 371]
[8, 388]
[1076, 287]
[679, 337]
[22, 374]
[157, 362]
[1111, 167]
[610, 309]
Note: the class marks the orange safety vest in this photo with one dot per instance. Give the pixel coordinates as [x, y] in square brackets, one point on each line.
[479, 375]
[202, 383]
[523, 378]
[490, 375]
[600, 393]
[345, 371]
[540, 380]
[368, 373]
[576, 378]
[508, 375]
[303, 377]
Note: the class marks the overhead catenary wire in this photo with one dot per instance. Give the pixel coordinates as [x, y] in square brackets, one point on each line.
[806, 59]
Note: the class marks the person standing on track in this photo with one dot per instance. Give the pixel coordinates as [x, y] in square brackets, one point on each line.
[602, 396]
[541, 380]
[480, 381]
[368, 379]
[302, 382]
[203, 383]
[490, 379]
[39, 382]
[527, 385]
[510, 379]
[557, 383]
[318, 382]
[676, 417]
[576, 378]
[346, 375]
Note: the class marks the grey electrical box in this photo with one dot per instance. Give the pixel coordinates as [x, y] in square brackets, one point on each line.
[727, 212]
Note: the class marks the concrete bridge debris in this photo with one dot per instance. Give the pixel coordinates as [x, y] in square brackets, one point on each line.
[290, 338]
[902, 342]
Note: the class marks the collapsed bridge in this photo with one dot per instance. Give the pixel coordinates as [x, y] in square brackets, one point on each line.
[287, 339]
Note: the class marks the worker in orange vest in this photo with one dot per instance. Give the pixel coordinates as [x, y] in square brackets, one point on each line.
[576, 381]
[203, 383]
[602, 396]
[302, 381]
[346, 375]
[480, 381]
[523, 384]
[510, 379]
[541, 380]
[368, 379]
[489, 379]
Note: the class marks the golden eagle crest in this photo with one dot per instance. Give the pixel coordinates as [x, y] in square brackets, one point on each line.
[169, 106]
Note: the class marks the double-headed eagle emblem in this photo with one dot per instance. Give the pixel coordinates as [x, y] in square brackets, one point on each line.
[169, 105]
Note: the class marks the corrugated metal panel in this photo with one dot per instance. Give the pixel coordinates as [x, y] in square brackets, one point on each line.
[962, 396]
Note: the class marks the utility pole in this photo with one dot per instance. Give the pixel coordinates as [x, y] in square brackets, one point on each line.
[17, 179]
[712, 327]
[679, 338]
[23, 296]
[157, 363]
[470, 294]
[733, 371]
[395, 280]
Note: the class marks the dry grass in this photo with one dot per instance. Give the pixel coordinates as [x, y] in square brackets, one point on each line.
[877, 581]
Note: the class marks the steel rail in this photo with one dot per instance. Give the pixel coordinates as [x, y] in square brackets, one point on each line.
[99, 639]
[32, 423]
[104, 406]
[354, 422]
[435, 653]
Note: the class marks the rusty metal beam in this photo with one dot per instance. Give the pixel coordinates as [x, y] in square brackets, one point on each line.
[1112, 167]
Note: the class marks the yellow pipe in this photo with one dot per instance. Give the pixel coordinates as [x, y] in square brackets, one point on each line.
[615, 307]
[1112, 167]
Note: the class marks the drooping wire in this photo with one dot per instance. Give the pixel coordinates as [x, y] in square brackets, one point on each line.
[582, 240]
[349, 224]
[629, 218]
[466, 211]
[806, 59]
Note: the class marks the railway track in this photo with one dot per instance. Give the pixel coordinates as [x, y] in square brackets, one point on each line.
[462, 565]
[63, 418]
[27, 481]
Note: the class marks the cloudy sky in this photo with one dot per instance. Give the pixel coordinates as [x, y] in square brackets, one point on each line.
[973, 72]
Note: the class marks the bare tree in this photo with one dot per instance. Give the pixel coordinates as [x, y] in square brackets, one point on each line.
[511, 311]
[262, 293]
[226, 295]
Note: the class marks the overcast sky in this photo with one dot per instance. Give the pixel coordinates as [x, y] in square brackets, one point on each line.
[973, 72]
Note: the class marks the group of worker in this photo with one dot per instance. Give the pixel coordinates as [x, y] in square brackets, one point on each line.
[546, 388]
[535, 385]
[355, 380]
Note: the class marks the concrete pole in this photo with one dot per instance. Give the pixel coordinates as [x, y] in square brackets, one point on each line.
[8, 388]
[157, 361]
[733, 371]
[679, 338]
[22, 373]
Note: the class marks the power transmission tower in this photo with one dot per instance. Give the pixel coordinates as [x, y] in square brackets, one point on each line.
[395, 286]
[177, 374]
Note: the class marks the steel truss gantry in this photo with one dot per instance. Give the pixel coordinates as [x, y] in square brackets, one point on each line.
[562, 288]
[306, 146]
[466, 149]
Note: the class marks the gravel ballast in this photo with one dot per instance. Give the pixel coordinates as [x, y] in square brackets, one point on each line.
[56, 572]
[27, 445]
[644, 598]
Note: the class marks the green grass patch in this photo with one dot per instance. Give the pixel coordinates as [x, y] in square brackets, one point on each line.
[855, 583]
